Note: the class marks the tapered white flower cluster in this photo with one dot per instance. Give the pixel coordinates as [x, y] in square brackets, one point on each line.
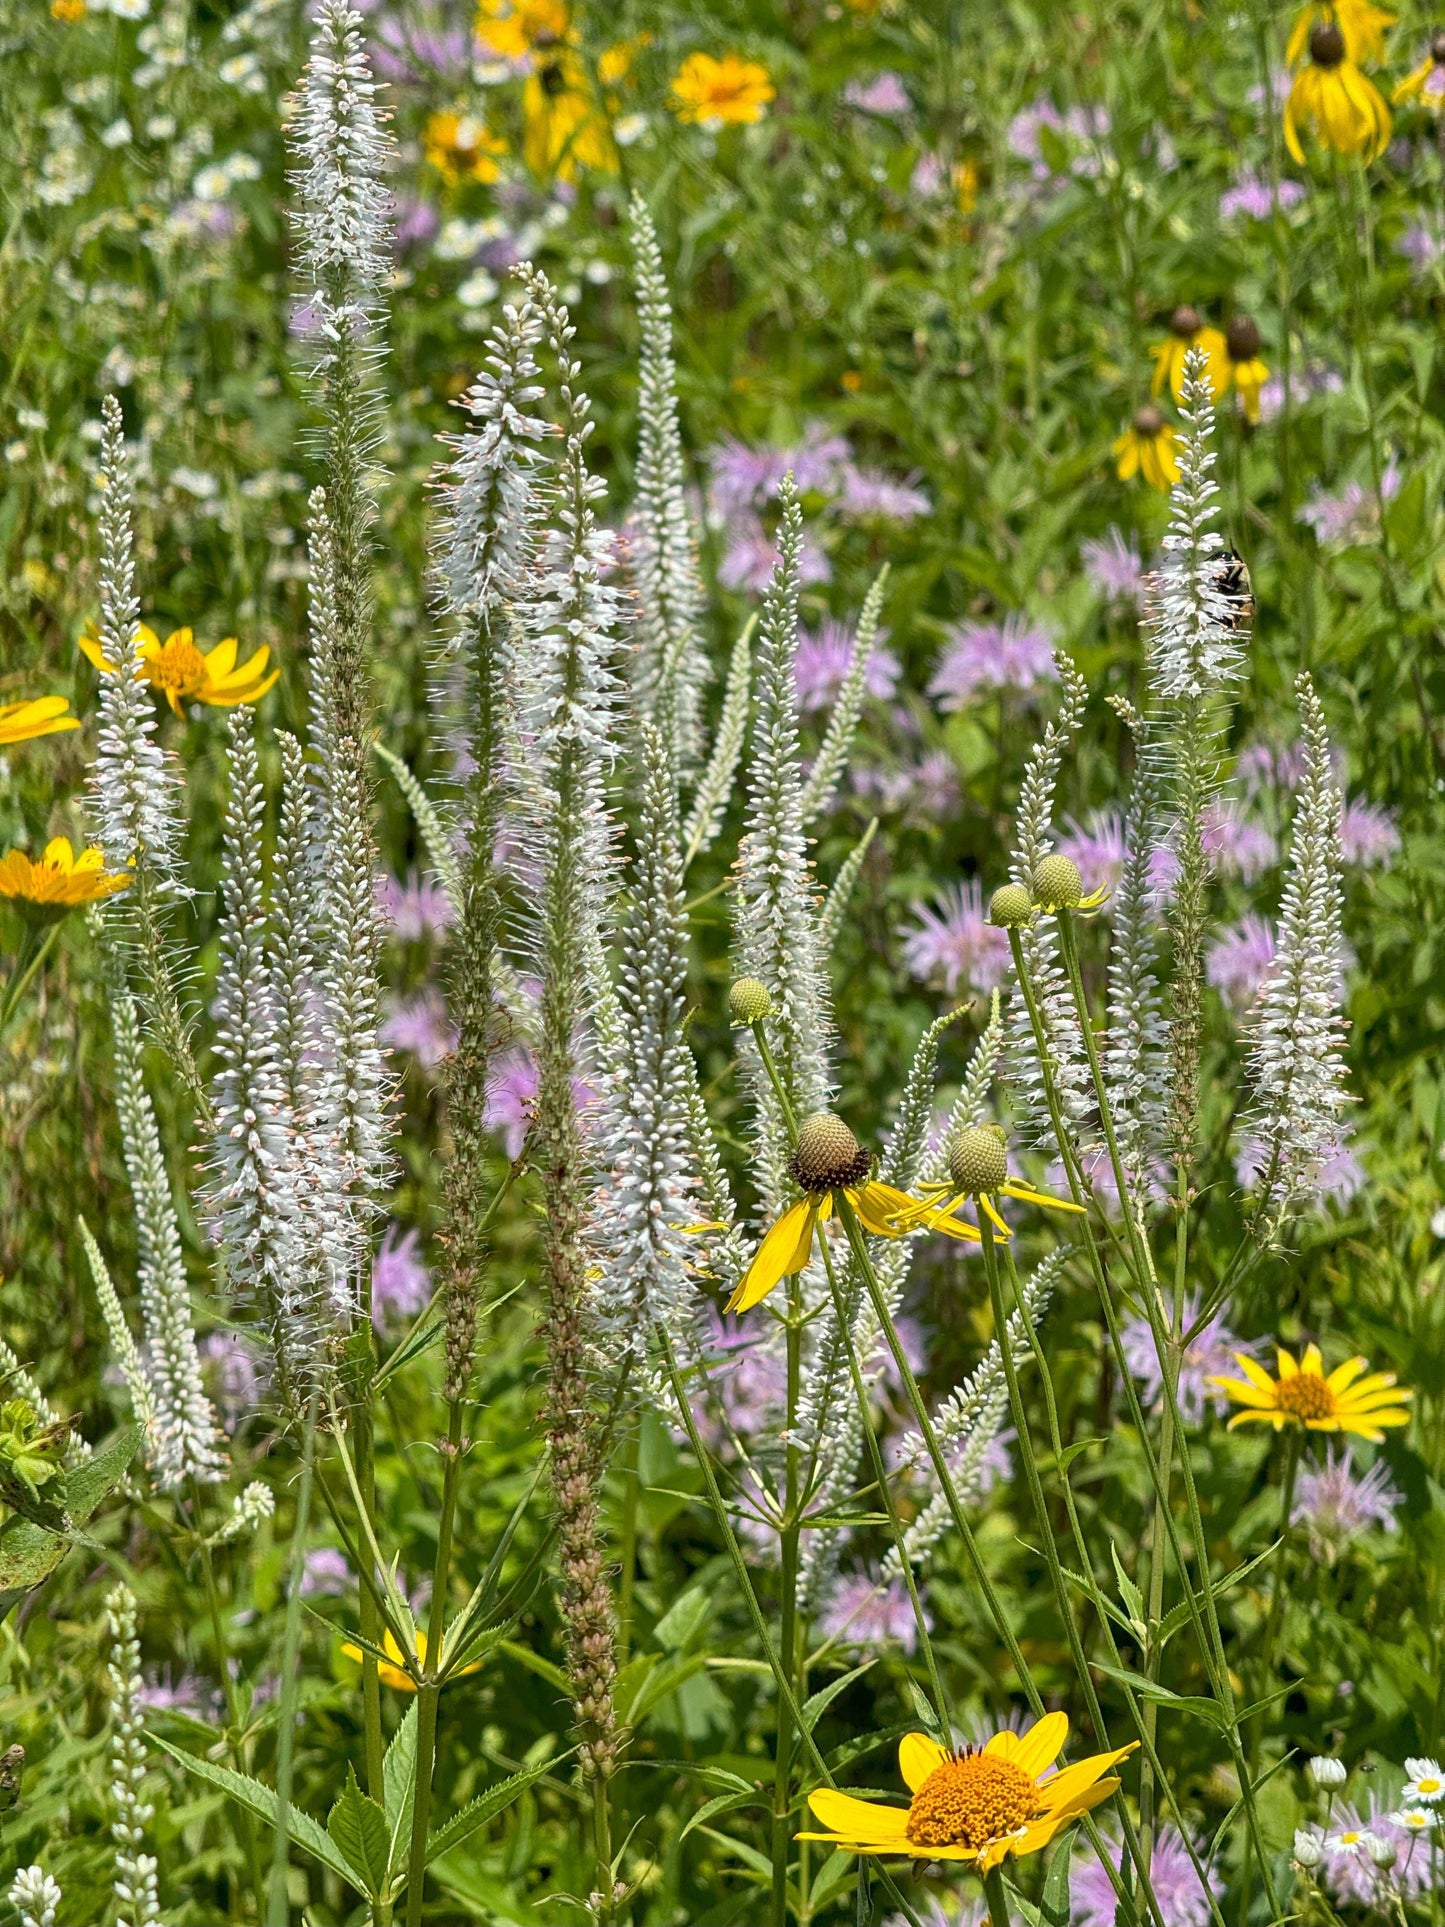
[184, 1442]
[137, 1900]
[1134, 1048]
[777, 930]
[1296, 1058]
[135, 785]
[647, 1289]
[35, 1897]
[672, 660]
[837, 743]
[715, 784]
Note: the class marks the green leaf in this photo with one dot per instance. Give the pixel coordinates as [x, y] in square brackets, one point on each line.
[1054, 1900]
[1071, 1452]
[486, 1807]
[535, 1663]
[261, 1801]
[684, 1619]
[28, 1553]
[750, 1857]
[398, 1789]
[723, 1803]
[1178, 1615]
[1150, 1689]
[358, 1826]
[1130, 1594]
[817, 1704]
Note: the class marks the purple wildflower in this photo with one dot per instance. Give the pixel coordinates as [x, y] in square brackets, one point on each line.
[750, 1379]
[1209, 1352]
[1115, 567]
[171, 1692]
[1337, 1502]
[1238, 846]
[511, 1092]
[416, 222]
[747, 563]
[1338, 1178]
[1251, 196]
[1012, 654]
[1239, 960]
[1184, 1900]
[822, 663]
[1098, 849]
[868, 492]
[956, 942]
[400, 1281]
[1367, 834]
[414, 910]
[1351, 515]
[884, 94]
[1419, 246]
[324, 1570]
[232, 1374]
[420, 1026]
[931, 789]
[1348, 1871]
[744, 478]
[934, 1910]
[862, 1612]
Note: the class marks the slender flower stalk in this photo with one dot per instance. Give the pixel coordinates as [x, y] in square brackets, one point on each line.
[714, 787]
[832, 756]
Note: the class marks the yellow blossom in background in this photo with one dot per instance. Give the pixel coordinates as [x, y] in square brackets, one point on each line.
[1246, 370]
[720, 93]
[1146, 448]
[60, 880]
[1187, 330]
[566, 125]
[979, 1804]
[40, 716]
[37, 577]
[1302, 1395]
[511, 29]
[67, 10]
[187, 674]
[1426, 83]
[964, 176]
[391, 1672]
[461, 148]
[1341, 106]
[1361, 23]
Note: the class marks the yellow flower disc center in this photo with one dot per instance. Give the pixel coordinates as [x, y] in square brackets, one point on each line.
[971, 1800]
[1306, 1396]
[179, 665]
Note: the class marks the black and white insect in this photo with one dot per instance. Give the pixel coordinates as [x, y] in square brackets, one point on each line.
[1232, 580]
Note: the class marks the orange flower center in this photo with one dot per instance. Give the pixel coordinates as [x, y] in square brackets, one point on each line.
[179, 665]
[972, 1799]
[1306, 1396]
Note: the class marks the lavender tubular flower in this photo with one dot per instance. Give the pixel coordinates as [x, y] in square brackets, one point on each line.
[1296, 1058]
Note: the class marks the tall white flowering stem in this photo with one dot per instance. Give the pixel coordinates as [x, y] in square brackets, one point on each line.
[278, 1907]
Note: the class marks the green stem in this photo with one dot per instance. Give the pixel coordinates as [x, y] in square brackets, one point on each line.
[36, 950]
[245, 1825]
[278, 1911]
[994, 1893]
[429, 1692]
[370, 1619]
[790, 1117]
[628, 1454]
[788, 1538]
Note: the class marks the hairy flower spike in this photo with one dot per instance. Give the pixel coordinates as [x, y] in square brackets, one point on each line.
[136, 1896]
[1297, 1055]
[1134, 1048]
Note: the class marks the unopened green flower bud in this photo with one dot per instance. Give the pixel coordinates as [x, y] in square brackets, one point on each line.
[977, 1160]
[749, 1001]
[1308, 1849]
[1382, 1853]
[1010, 906]
[1057, 883]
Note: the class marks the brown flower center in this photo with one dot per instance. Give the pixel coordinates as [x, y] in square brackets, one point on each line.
[1148, 423]
[179, 665]
[1306, 1396]
[1185, 322]
[972, 1799]
[1327, 45]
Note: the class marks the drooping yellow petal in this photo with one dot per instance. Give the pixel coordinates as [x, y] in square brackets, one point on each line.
[1026, 1194]
[864, 1820]
[784, 1251]
[990, 1211]
[877, 1211]
[222, 659]
[918, 1756]
[38, 716]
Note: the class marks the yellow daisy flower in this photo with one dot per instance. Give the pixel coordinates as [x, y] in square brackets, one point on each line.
[718, 93]
[1345, 110]
[1248, 373]
[40, 716]
[565, 124]
[61, 880]
[1361, 22]
[1146, 448]
[511, 29]
[829, 1163]
[1302, 1395]
[187, 674]
[1187, 330]
[978, 1170]
[981, 1804]
[1426, 83]
[460, 148]
[391, 1672]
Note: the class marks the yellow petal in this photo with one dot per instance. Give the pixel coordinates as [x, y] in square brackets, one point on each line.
[1255, 1373]
[222, 659]
[782, 1252]
[918, 1756]
[859, 1819]
[1287, 1365]
[1004, 1745]
[1026, 1194]
[1041, 1745]
[1312, 1362]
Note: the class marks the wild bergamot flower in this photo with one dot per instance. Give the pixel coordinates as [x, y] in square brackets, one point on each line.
[1344, 108]
[187, 674]
[1188, 329]
[718, 93]
[828, 1164]
[40, 716]
[60, 880]
[1146, 448]
[981, 1804]
[978, 1170]
[1302, 1395]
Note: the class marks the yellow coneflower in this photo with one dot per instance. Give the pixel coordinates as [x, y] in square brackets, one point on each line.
[1344, 108]
[718, 93]
[1361, 22]
[566, 126]
[828, 1164]
[391, 1671]
[1188, 330]
[461, 148]
[511, 29]
[978, 1172]
[40, 716]
[981, 1804]
[1302, 1395]
[61, 880]
[1248, 373]
[1426, 83]
[187, 674]
[1146, 448]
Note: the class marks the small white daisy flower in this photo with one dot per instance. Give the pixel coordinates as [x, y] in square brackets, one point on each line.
[1415, 1819]
[1426, 1782]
